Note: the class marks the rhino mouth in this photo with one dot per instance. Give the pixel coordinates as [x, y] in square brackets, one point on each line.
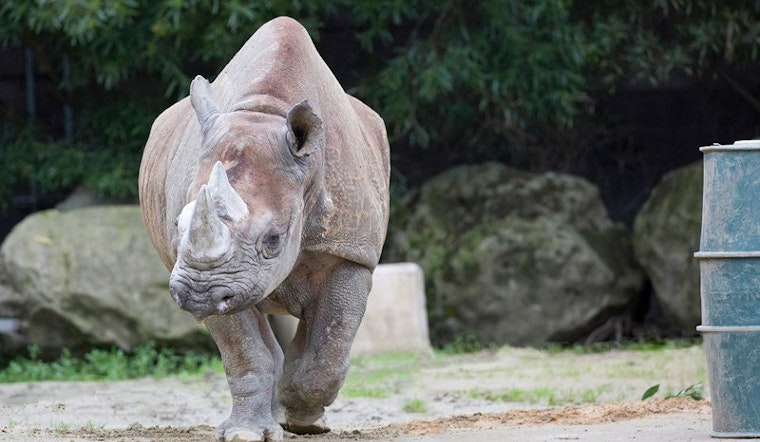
[202, 303]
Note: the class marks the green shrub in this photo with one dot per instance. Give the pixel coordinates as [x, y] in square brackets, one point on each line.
[113, 364]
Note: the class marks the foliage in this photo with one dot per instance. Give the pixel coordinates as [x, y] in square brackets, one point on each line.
[694, 391]
[114, 364]
[117, 64]
[651, 391]
[491, 68]
[519, 81]
[464, 343]
[57, 165]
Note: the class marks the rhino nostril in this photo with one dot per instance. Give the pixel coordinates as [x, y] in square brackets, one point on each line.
[220, 294]
[223, 304]
[173, 290]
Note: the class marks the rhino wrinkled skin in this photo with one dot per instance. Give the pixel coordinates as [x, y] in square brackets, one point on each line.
[267, 192]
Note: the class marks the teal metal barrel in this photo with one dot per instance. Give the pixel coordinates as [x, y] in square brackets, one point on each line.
[730, 285]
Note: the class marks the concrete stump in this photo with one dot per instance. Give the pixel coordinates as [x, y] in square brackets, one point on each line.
[396, 317]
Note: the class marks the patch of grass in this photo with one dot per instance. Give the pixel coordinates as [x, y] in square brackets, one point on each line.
[61, 427]
[380, 376]
[91, 426]
[463, 343]
[114, 364]
[644, 346]
[415, 406]
[541, 395]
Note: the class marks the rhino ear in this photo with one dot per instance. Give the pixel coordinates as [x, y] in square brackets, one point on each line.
[202, 100]
[305, 129]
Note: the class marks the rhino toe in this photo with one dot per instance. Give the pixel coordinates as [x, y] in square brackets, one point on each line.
[241, 434]
[318, 427]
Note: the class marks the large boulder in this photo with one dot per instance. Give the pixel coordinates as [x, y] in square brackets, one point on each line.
[513, 257]
[89, 277]
[665, 237]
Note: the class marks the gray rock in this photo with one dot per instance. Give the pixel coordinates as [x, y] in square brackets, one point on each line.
[80, 197]
[89, 277]
[665, 237]
[512, 257]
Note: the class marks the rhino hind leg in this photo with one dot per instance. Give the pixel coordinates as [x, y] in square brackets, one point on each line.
[317, 361]
[253, 364]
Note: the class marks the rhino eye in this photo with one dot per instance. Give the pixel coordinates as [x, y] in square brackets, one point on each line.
[271, 245]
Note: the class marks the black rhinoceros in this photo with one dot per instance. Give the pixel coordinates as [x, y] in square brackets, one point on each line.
[267, 192]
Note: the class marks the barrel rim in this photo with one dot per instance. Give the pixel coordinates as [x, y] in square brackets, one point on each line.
[709, 254]
[738, 145]
[734, 434]
[728, 328]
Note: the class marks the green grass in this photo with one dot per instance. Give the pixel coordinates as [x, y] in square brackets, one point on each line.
[541, 395]
[61, 427]
[642, 346]
[380, 376]
[92, 426]
[573, 375]
[415, 406]
[462, 344]
[114, 364]
[553, 376]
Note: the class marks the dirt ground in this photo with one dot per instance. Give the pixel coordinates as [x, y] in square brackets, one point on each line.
[185, 409]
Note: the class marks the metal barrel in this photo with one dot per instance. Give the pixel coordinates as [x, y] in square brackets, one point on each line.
[729, 261]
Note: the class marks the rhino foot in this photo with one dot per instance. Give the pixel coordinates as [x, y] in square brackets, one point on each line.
[317, 427]
[248, 434]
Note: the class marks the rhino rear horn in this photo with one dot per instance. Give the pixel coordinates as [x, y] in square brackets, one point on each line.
[208, 238]
[202, 99]
[226, 200]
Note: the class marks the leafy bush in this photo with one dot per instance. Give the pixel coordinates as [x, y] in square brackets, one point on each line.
[694, 391]
[114, 364]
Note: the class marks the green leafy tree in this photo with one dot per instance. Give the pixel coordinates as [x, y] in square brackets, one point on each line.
[118, 64]
[518, 81]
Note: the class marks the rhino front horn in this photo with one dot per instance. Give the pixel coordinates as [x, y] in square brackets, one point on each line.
[225, 198]
[208, 239]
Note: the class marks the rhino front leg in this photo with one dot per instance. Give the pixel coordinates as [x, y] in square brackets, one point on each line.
[316, 362]
[253, 364]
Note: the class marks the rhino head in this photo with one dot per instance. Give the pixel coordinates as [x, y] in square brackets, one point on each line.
[240, 235]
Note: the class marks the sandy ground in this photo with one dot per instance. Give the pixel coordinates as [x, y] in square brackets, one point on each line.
[185, 409]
